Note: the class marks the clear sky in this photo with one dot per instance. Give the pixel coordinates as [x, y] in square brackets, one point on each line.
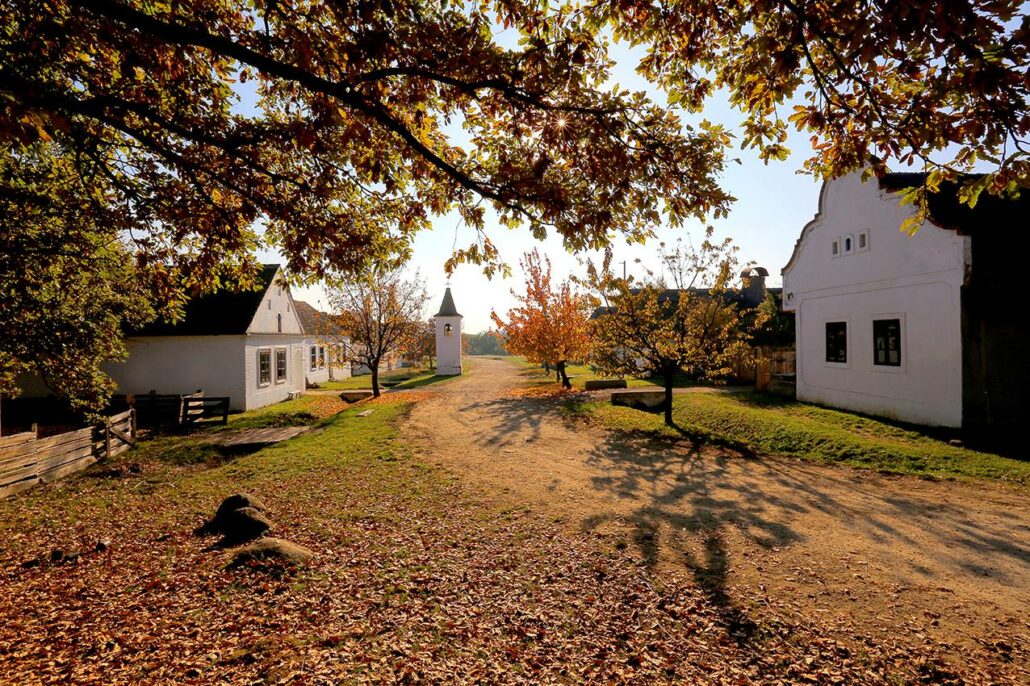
[773, 203]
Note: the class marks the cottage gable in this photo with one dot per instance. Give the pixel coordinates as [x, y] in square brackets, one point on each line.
[855, 239]
[276, 313]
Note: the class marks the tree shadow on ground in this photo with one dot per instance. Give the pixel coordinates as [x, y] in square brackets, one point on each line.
[686, 497]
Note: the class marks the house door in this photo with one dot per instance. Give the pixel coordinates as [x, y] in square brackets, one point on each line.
[298, 366]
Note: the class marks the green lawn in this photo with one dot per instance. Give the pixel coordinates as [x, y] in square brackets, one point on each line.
[579, 374]
[768, 424]
[405, 377]
[287, 413]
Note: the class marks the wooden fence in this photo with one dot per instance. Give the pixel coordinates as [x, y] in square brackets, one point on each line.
[159, 411]
[26, 459]
[769, 363]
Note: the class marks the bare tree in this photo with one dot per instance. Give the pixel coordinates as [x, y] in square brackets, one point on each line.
[381, 312]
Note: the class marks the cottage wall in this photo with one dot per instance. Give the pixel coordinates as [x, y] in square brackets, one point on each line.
[182, 364]
[885, 275]
[258, 394]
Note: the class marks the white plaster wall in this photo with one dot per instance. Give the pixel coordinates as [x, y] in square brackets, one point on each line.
[448, 348]
[916, 279]
[277, 301]
[182, 364]
[315, 375]
[258, 395]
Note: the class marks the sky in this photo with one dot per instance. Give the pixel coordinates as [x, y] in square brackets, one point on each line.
[773, 203]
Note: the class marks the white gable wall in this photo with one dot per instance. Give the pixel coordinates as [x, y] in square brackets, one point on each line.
[916, 279]
[277, 302]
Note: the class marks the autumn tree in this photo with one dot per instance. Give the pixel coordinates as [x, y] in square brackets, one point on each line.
[380, 311]
[650, 328]
[550, 323]
[940, 84]
[67, 284]
[326, 130]
[423, 344]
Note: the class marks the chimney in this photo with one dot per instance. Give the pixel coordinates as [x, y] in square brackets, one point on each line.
[753, 285]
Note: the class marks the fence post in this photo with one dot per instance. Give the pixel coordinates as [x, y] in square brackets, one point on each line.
[132, 422]
[107, 438]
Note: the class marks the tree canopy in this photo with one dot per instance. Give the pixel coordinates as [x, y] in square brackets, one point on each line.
[380, 313]
[549, 324]
[646, 327]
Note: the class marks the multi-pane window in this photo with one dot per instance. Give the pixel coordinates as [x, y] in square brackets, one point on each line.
[313, 358]
[887, 342]
[321, 357]
[837, 342]
[264, 367]
[280, 366]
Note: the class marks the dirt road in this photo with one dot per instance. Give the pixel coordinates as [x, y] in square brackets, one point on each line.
[886, 555]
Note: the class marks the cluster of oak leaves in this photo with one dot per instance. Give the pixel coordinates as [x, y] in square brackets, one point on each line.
[415, 580]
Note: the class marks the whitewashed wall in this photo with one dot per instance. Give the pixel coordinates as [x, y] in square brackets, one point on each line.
[258, 395]
[182, 364]
[448, 348]
[317, 375]
[916, 279]
[277, 301]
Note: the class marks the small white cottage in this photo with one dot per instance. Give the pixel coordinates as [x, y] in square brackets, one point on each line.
[249, 346]
[448, 337]
[926, 328]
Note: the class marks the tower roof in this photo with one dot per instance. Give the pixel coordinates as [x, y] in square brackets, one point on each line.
[447, 308]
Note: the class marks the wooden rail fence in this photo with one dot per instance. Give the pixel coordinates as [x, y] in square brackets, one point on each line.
[26, 459]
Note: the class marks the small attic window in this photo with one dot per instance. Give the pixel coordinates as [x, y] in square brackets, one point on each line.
[863, 240]
[269, 303]
[836, 248]
[849, 244]
[279, 322]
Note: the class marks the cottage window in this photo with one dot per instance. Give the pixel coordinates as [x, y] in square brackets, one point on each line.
[280, 365]
[887, 342]
[313, 357]
[264, 367]
[321, 357]
[279, 322]
[837, 342]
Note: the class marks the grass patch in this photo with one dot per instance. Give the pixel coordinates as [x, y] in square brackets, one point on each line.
[405, 377]
[579, 374]
[296, 412]
[771, 425]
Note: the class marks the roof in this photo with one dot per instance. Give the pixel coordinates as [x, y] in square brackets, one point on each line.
[223, 312]
[447, 308]
[308, 315]
[947, 212]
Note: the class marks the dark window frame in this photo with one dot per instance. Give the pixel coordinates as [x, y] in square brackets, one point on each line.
[281, 354]
[882, 332]
[313, 357]
[264, 367]
[836, 342]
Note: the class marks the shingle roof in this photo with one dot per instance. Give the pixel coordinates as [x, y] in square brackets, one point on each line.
[447, 308]
[221, 313]
[947, 212]
[308, 315]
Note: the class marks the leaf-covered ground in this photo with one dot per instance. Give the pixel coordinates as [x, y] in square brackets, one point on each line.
[415, 580]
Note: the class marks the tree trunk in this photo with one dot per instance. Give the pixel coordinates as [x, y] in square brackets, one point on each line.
[375, 379]
[562, 376]
[669, 375]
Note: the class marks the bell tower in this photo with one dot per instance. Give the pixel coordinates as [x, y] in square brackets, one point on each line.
[448, 337]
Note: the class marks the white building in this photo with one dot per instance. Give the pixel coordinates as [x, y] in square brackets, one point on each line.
[248, 346]
[448, 337]
[324, 358]
[919, 328]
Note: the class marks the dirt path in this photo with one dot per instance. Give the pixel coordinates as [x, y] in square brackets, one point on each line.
[886, 555]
